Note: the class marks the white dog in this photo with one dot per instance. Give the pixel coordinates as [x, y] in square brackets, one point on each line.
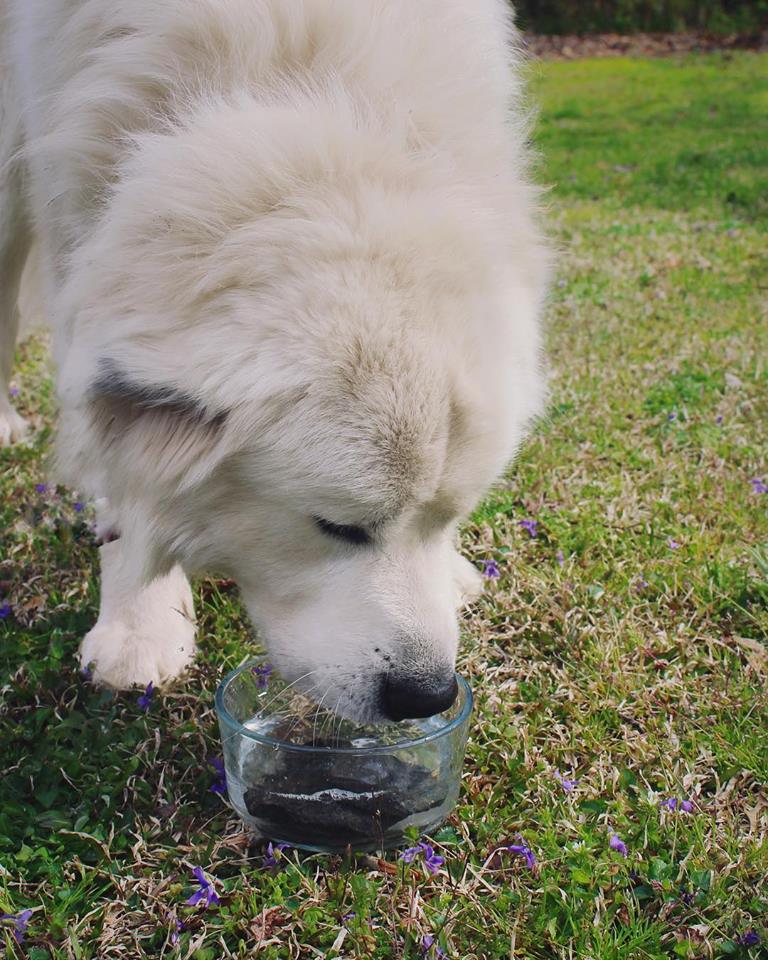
[291, 263]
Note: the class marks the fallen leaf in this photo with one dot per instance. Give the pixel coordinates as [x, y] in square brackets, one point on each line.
[267, 921]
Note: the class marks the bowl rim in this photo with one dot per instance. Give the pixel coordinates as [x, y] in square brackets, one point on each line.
[226, 718]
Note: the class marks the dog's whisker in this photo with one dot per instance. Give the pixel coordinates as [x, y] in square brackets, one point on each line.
[299, 717]
[317, 712]
[289, 713]
[330, 719]
[336, 737]
[282, 692]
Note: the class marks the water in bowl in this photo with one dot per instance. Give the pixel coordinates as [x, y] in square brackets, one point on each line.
[301, 775]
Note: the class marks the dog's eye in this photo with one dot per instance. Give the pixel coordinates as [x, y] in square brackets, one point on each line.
[358, 536]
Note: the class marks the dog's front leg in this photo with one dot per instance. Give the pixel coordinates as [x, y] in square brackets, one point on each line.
[467, 580]
[145, 632]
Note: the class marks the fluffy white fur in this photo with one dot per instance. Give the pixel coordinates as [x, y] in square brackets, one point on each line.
[303, 228]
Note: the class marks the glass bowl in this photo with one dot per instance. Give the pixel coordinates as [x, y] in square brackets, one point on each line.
[300, 775]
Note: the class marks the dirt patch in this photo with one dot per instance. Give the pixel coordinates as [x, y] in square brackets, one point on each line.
[572, 46]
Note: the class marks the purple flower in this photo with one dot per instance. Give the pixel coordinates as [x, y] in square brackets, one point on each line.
[175, 936]
[673, 544]
[525, 851]
[428, 942]
[262, 672]
[640, 584]
[567, 785]
[759, 485]
[559, 557]
[79, 507]
[409, 855]
[491, 570]
[41, 487]
[270, 860]
[19, 922]
[348, 916]
[531, 526]
[617, 844]
[5, 611]
[432, 861]
[719, 420]
[673, 803]
[14, 391]
[205, 890]
[672, 416]
[748, 939]
[219, 785]
[218, 766]
[145, 700]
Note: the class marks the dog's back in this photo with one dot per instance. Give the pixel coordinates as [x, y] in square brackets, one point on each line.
[91, 72]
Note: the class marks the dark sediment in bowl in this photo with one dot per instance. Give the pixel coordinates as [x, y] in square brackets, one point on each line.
[341, 799]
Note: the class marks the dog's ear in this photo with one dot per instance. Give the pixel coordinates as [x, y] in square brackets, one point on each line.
[166, 434]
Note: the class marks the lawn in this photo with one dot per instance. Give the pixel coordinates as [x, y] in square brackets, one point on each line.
[619, 661]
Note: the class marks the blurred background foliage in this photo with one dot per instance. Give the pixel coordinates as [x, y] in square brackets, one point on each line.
[630, 16]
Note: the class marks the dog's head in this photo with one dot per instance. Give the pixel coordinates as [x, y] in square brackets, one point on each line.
[312, 417]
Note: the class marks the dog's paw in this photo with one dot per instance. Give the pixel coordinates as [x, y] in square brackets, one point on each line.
[123, 657]
[468, 581]
[12, 427]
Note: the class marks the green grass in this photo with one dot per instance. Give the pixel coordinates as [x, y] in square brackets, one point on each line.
[674, 134]
[603, 652]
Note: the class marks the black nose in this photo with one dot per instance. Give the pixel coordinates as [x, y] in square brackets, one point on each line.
[407, 699]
